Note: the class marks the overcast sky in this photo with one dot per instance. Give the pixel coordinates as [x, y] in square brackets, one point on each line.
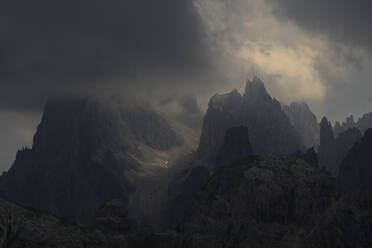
[317, 51]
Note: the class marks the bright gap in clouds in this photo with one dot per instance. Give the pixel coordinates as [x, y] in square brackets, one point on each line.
[294, 63]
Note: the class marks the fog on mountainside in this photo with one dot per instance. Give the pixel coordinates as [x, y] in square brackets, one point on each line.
[88, 152]
[185, 123]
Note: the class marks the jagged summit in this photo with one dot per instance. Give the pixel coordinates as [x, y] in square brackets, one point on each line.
[254, 83]
[363, 123]
[269, 128]
[305, 122]
[86, 152]
[300, 105]
[255, 88]
[332, 150]
[225, 101]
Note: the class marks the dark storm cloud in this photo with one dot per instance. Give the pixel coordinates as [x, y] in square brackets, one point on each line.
[48, 47]
[346, 21]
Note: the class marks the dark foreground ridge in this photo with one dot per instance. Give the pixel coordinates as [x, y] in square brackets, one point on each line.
[256, 202]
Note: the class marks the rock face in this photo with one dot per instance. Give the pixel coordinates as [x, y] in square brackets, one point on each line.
[363, 123]
[85, 153]
[235, 147]
[333, 150]
[186, 183]
[270, 130]
[356, 168]
[260, 202]
[305, 122]
[342, 127]
[277, 202]
[223, 113]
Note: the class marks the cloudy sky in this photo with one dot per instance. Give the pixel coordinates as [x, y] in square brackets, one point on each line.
[319, 51]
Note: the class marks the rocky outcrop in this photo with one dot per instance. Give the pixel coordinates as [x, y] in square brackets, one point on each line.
[235, 147]
[85, 153]
[337, 128]
[363, 123]
[356, 169]
[186, 183]
[260, 202]
[223, 113]
[342, 127]
[345, 141]
[327, 146]
[270, 130]
[333, 150]
[305, 122]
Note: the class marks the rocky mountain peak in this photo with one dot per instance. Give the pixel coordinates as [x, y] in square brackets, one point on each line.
[304, 121]
[86, 152]
[350, 121]
[228, 101]
[326, 131]
[333, 150]
[255, 89]
[257, 110]
[365, 122]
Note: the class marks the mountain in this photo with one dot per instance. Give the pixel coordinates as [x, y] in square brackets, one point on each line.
[326, 151]
[259, 202]
[270, 130]
[236, 146]
[276, 201]
[255, 202]
[223, 113]
[85, 153]
[356, 169]
[363, 123]
[186, 182]
[304, 121]
[333, 150]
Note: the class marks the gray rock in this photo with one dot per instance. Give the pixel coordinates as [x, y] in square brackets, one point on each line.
[333, 150]
[85, 153]
[270, 130]
[305, 122]
[260, 202]
[356, 169]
